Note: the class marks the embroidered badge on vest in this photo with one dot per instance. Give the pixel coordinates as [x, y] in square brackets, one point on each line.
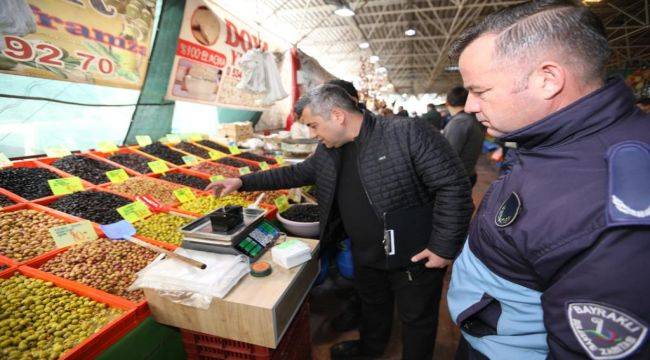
[629, 189]
[603, 332]
[508, 211]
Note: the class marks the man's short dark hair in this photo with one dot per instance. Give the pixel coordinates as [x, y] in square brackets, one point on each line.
[431, 107]
[457, 96]
[323, 98]
[347, 86]
[563, 25]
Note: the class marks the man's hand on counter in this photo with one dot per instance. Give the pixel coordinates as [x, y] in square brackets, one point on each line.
[224, 187]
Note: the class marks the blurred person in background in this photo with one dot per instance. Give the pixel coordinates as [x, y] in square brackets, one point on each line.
[433, 117]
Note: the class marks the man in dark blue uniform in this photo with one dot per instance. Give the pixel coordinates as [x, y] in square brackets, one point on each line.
[556, 261]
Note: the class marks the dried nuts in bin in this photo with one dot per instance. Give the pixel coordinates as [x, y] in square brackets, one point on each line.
[24, 234]
[160, 190]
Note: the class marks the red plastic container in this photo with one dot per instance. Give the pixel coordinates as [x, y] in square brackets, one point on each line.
[295, 344]
[13, 197]
[106, 336]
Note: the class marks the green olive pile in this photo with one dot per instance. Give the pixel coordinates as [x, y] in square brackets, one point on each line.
[5, 201]
[206, 204]
[84, 167]
[161, 151]
[96, 206]
[160, 190]
[193, 149]
[103, 264]
[30, 183]
[133, 161]
[211, 168]
[41, 321]
[162, 227]
[24, 233]
[186, 180]
[213, 145]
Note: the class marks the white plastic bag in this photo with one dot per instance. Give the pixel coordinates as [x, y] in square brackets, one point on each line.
[273, 81]
[189, 285]
[253, 72]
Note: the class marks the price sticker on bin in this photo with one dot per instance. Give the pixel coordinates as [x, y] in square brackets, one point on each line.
[65, 186]
[173, 138]
[196, 137]
[184, 194]
[134, 211]
[190, 160]
[214, 178]
[57, 151]
[282, 203]
[280, 160]
[117, 176]
[143, 140]
[158, 167]
[234, 150]
[70, 234]
[107, 146]
[216, 155]
[244, 170]
[264, 165]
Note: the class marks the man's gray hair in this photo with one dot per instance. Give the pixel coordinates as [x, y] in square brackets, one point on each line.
[322, 99]
[541, 26]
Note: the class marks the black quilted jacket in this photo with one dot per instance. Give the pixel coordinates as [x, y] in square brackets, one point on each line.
[402, 163]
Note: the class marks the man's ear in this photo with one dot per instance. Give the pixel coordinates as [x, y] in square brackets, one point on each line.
[338, 116]
[549, 79]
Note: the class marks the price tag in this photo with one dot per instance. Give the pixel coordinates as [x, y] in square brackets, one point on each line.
[214, 178]
[184, 194]
[295, 195]
[173, 138]
[65, 186]
[4, 161]
[264, 165]
[280, 160]
[158, 166]
[216, 155]
[57, 151]
[143, 140]
[78, 232]
[196, 137]
[107, 146]
[190, 160]
[282, 203]
[234, 150]
[244, 170]
[134, 211]
[117, 176]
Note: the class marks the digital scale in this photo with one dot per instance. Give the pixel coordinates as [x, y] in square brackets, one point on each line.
[251, 239]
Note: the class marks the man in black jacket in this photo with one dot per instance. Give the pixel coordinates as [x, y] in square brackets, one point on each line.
[366, 167]
[433, 117]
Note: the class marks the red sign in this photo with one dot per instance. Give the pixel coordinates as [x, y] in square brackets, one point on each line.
[200, 53]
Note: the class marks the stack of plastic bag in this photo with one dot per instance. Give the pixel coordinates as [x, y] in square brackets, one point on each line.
[191, 286]
[260, 75]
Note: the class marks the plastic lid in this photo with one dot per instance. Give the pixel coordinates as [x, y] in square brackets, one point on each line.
[261, 269]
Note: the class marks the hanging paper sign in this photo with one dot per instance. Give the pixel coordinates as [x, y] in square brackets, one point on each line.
[214, 178]
[65, 186]
[57, 151]
[282, 203]
[216, 155]
[117, 176]
[158, 167]
[70, 234]
[134, 211]
[190, 160]
[244, 170]
[86, 41]
[107, 146]
[4, 161]
[143, 140]
[184, 194]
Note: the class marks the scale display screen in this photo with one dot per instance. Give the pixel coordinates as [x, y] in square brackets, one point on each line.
[259, 239]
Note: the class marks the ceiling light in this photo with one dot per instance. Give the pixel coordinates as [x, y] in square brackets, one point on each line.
[344, 10]
[410, 32]
[374, 58]
[364, 45]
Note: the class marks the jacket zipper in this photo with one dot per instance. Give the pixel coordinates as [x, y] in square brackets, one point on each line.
[364, 187]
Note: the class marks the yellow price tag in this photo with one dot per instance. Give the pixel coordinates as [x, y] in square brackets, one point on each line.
[279, 159]
[143, 140]
[282, 203]
[234, 150]
[173, 138]
[295, 195]
[107, 146]
[264, 165]
[196, 137]
[65, 186]
[57, 151]
[158, 166]
[216, 155]
[134, 211]
[70, 234]
[244, 170]
[214, 178]
[117, 176]
[4, 160]
[190, 160]
[184, 194]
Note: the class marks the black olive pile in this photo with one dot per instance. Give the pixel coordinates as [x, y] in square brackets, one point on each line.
[214, 145]
[187, 180]
[302, 213]
[237, 163]
[95, 206]
[255, 157]
[193, 149]
[163, 152]
[5, 201]
[132, 161]
[84, 167]
[30, 183]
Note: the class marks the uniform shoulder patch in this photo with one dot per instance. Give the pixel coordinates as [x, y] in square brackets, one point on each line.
[629, 188]
[605, 332]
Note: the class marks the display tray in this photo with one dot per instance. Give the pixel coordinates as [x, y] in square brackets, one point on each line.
[126, 150]
[87, 184]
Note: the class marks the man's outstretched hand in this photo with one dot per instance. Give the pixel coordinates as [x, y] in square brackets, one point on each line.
[224, 187]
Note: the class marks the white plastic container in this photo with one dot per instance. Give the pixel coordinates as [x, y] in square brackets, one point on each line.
[302, 229]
